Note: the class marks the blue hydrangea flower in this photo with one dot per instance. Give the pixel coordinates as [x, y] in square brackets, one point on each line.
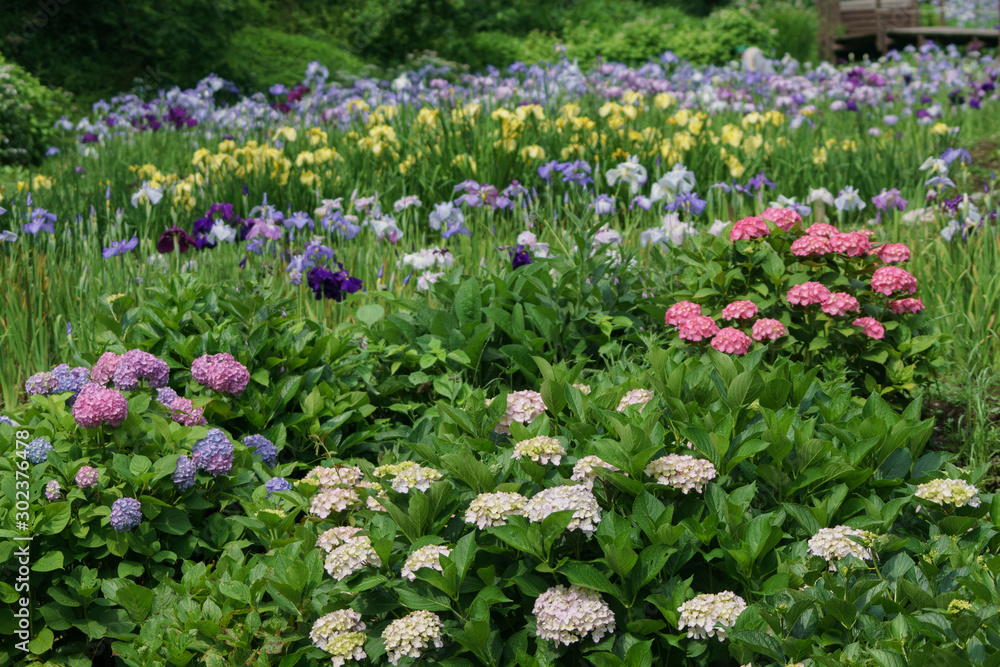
[71, 379]
[126, 514]
[263, 447]
[184, 474]
[277, 484]
[38, 450]
[4, 419]
[42, 383]
[166, 396]
[214, 454]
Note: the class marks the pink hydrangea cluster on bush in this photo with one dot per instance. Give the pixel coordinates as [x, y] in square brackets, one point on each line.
[220, 372]
[834, 261]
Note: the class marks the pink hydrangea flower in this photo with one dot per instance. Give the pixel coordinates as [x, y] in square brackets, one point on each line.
[681, 311]
[731, 341]
[807, 294]
[810, 245]
[96, 405]
[839, 304]
[739, 310]
[184, 412]
[785, 218]
[852, 244]
[220, 372]
[105, 368]
[749, 228]
[893, 252]
[696, 328]
[889, 279]
[822, 229]
[872, 327]
[907, 305]
[768, 329]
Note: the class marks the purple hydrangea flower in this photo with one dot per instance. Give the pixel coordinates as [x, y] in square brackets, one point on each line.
[214, 453]
[137, 365]
[38, 450]
[53, 491]
[184, 474]
[71, 379]
[220, 372]
[126, 514]
[86, 476]
[42, 383]
[277, 484]
[166, 396]
[104, 369]
[263, 447]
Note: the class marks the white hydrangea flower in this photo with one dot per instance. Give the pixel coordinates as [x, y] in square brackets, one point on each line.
[567, 615]
[955, 492]
[707, 615]
[681, 472]
[342, 620]
[335, 476]
[353, 555]
[346, 646]
[424, 557]
[584, 388]
[583, 470]
[492, 509]
[408, 636]
[329, 499]
[335, 537]
[587, 512]
[635, 397]
[407, 475]
[375, 492]
[522, 407]
[540, 449]
[834, 543]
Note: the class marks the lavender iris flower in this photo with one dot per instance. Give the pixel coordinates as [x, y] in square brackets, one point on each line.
[299, 220]
[41, 220]
[120, 247]
[888, 199]
[603, 205]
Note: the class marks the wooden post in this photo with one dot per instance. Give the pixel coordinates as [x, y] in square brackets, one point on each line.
[824, 31]
[881, 39]
[941, 5]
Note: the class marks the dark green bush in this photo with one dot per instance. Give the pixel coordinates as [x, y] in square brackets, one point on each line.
[28, 112]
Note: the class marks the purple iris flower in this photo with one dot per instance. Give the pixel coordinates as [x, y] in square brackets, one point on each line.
[174, 235]
[520, 257]
[299, 220]
[603, 204]
[888, 199]
[343, 226]
[688, 202]
[577, 172]
[545, 171]
[759, 181]
[643, 202]
[89, 138]
[332, 284]
[952, 154]
[120, 247]
[41, 220]
[455, 228]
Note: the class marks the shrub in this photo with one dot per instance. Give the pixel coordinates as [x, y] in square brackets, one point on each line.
[28, 112]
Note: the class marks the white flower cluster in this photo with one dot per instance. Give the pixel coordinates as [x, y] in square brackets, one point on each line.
[567, 615]
[540, 449]
[583, 470]
[949, 491]
[408, 636]
[834, 543]
[586, 515]
[342, 620]
[681, 471]
[584, 388]
[492, 509]
[353, 555]
[427, 258]
[424, 557]
[346, 646]
[408, 475]
[702, 614]
[374, 493]
[335, 476]
[635, 397]
[335, 537]
[328, 499]
[522, 407]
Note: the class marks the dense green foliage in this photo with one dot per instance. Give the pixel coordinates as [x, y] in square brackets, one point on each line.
[28, 111]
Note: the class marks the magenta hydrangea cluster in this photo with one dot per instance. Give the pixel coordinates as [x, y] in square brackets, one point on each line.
[86, 477]
[818, 248]
[214, 453]
[135, 366]
[220, 372]
[97, 405]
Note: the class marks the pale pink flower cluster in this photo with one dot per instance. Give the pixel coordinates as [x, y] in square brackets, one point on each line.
[682, 472]
[635, 397]
[889, 279]
[410, 635]
[580, 499]
[807, 294]
[335, 537]
[740, 310]
[183, 412]
[785, 218]
[355, 554]
[584, 388]
[428, 556]
[832, 544]
[872, 327]
[540, 449]
[907, 305]
[697, 328]
[86, 477]
[890, 253]
[522, 407]
[839, 304]
[709, 614]
[945, 491]
[329, 499]
[492, 509]
[749, 228]
[822, 229]
[583, 470]
[407, 475]
[567, 615]
[375, 493]
[680, 311]
[810, 245]
[732, 341]
[334, 476]
[852, 244]
[220, 372]
[768, 329]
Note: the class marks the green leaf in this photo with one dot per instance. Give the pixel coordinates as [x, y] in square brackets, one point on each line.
[236, 590]
[369, 314]
[53, 560]
[468, 302]
[589, 576]
[42, 641]
[136, 600]
[760, 642]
